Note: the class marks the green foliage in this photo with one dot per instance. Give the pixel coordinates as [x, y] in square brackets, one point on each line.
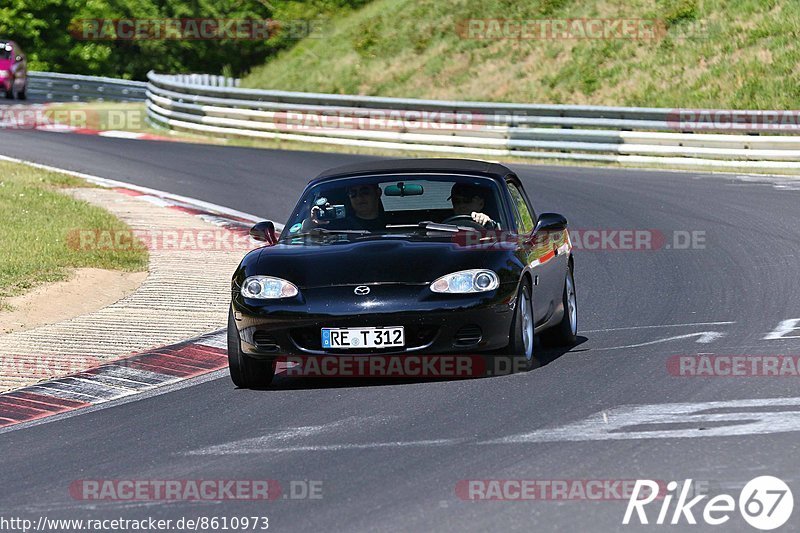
[51, 33]
[674, 11]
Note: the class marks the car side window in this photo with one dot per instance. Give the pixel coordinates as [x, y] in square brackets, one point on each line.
[524, 217]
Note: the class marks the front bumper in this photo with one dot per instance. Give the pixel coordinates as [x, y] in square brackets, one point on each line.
[433, 323]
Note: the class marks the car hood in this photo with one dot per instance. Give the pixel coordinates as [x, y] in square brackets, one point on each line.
[382, 261]
[6, 64]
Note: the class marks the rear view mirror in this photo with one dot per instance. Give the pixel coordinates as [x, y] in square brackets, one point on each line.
[403, 189]
[264, 232]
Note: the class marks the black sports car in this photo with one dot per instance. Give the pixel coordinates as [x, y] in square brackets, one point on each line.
[403, 257]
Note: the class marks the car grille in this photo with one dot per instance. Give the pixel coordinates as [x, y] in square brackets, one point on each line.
[468, 335]
[265, 341]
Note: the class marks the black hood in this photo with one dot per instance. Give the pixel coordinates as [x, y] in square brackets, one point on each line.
[373, 261]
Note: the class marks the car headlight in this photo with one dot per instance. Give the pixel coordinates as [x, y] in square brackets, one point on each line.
[466, 281]
[267, 288]
[5, 73]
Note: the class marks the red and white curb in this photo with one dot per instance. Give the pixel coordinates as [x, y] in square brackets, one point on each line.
[34, 117]
[117, 379]
[141, 372]
[213, 213]
[119, 134]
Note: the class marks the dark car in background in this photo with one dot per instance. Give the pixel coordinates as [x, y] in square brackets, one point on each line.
[13, 70]
[409, 256]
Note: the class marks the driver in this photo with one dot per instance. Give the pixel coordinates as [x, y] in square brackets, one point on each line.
[470, 200]
[365, 213]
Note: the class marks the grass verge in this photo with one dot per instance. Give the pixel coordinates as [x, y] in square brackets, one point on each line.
[735, 54]
[37, 219]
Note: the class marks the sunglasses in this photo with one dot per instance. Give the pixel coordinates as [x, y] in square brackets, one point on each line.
[463, 199]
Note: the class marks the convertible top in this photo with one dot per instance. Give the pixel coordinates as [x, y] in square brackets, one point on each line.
[456, 166]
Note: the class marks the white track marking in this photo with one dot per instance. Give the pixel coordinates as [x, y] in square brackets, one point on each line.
[280, 439]
[658, 326]
[119, 134]
[703, 337]
[786, 326]
[340, 447]
[702, 419]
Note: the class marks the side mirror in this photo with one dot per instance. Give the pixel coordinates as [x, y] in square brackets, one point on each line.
[265, 232]
[18, 59]
[551, 222]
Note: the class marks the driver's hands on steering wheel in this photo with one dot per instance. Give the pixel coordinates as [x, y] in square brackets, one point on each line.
[480, 220]
[483, 219]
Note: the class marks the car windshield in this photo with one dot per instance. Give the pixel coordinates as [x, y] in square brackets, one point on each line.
[422, 205]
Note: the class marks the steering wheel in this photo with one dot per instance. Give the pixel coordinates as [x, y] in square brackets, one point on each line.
[462, 220]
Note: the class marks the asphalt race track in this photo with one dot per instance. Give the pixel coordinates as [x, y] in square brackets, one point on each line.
[390, 455]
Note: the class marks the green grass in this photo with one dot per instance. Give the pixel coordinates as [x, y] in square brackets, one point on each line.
[715, 53]
[37, 221]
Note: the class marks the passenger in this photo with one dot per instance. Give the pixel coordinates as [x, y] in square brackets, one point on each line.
[366, 211]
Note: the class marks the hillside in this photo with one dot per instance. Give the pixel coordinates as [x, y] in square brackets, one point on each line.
[704, 53]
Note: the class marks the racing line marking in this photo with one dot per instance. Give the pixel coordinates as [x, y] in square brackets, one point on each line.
[658, 326]
[703, 337]
[674, 420]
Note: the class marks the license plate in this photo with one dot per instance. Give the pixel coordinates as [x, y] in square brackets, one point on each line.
[363, 337]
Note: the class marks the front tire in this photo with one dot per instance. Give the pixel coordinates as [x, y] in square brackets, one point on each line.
[522, 337]
[565, 333]
[23, 94]
[246, 372]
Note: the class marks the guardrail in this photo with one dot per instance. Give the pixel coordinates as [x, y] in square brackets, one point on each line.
[214, 105]
[52, 86]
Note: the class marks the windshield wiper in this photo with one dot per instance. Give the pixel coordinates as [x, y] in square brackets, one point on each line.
[321, 232]
[427, 225]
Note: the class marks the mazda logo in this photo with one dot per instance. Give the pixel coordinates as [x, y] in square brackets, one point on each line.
[362, 290]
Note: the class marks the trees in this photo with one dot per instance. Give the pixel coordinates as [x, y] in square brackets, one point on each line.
[50, 32]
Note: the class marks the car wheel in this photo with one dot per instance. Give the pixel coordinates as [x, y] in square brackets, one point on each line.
[23, 94]
[566, 332]
[10, 92]
[246, 372]
[522, 337]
